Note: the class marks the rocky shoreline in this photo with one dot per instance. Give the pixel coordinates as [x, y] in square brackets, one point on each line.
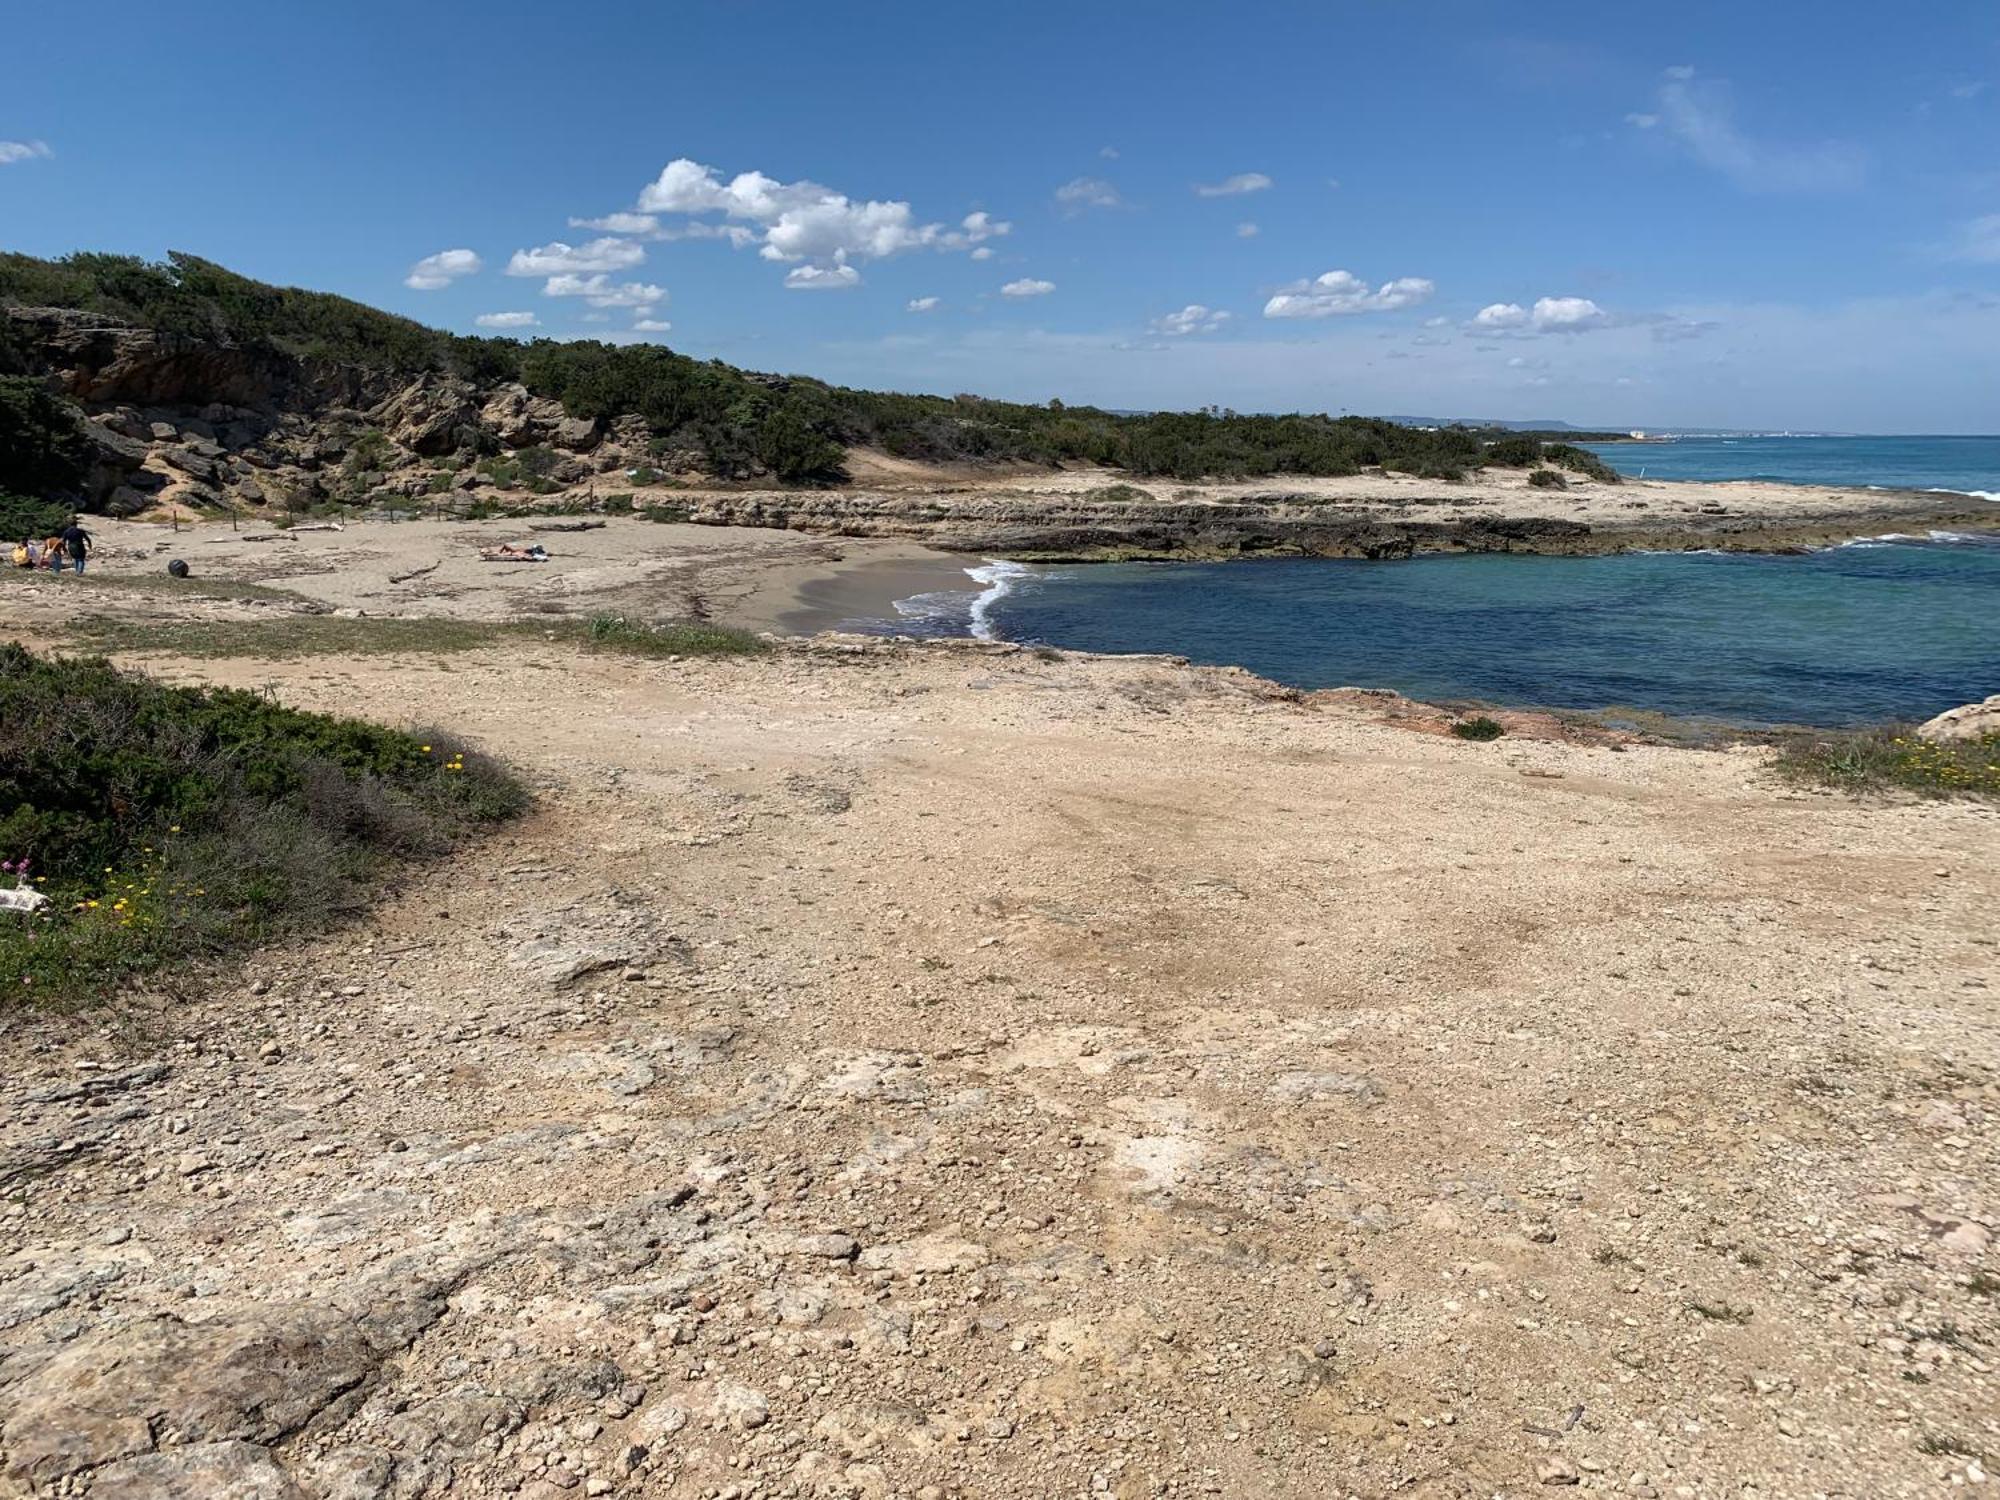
[1081, 529]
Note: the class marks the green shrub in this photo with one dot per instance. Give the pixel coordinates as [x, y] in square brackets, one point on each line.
[1581, 461]
[1547, 479]
[1893, 758]
[1478, 728]
[167, 824]
[21, 518]
[505, 472]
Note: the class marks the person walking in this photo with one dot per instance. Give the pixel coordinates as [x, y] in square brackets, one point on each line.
[77, 543]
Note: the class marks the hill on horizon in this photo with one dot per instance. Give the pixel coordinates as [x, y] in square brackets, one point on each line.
[285, 385]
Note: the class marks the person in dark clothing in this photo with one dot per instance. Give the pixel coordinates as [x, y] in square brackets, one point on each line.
[77, 543]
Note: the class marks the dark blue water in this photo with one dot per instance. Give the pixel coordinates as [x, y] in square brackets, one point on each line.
[1967, 464]
[1855, 634]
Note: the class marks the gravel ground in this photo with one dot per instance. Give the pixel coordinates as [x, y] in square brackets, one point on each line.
[934, 1071]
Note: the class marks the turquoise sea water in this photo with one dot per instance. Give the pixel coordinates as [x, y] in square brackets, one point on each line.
[1967, 464]
[1867, 632]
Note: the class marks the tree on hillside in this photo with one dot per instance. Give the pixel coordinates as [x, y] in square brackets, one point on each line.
[43, 449]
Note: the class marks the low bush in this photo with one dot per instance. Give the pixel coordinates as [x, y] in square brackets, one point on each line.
[1547, 479]
[1892, 759]
[168, 824]
[1581, 461]
[1478, 728]
[616, 633]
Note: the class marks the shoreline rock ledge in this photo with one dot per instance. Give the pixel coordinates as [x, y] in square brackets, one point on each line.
[1970, 721]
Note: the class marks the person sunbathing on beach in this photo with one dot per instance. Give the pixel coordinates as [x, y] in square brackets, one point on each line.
[508, 552]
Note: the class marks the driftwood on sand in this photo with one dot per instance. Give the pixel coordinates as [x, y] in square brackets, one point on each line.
[565, 526]
[413, 573]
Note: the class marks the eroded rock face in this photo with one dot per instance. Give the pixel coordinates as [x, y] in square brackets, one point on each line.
[250, 1378]
[433, 416]
[1970, 721]
[98, 360]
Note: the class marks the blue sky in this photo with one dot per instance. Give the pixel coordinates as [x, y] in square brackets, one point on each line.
[1785, 214]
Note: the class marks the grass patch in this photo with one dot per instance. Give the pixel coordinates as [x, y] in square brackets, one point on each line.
[167, 825]
[297, 636]
[616, 633]
[285, 639]
[1478, 728]
[196, 588]
[1892, 759]
[1118, 494]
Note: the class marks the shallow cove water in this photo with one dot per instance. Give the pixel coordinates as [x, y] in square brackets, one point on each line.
[1879, 630]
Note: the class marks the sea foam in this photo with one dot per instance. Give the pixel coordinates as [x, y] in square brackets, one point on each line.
[948, 611]
[1000, 579]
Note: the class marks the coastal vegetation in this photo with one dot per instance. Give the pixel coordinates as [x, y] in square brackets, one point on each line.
[290, 637]
[167, 824]
[1893, 759]
[742, 424]
[1478, 727]
[43, 453]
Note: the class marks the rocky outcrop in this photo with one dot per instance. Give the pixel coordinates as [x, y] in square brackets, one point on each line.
[433, 416]
[201, 424]
[160, 1382]
[1971, 721]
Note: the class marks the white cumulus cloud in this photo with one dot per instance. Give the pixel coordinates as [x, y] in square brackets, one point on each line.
[1194, 318]
[1339, 293]
[802, 222]
[556, 258]
[441, 270]
[601, 291]
[1566, 314]
[1247, 231]
[1548, 315]
[833, 278]
[1081, 193]
[1027, 286]
[13, 151]
[1232, 187]
[619, 224]
[923, 304]
[984, 252]
[652, 325]
[508, 320]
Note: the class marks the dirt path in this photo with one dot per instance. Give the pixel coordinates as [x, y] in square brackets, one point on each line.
[890, 1071]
